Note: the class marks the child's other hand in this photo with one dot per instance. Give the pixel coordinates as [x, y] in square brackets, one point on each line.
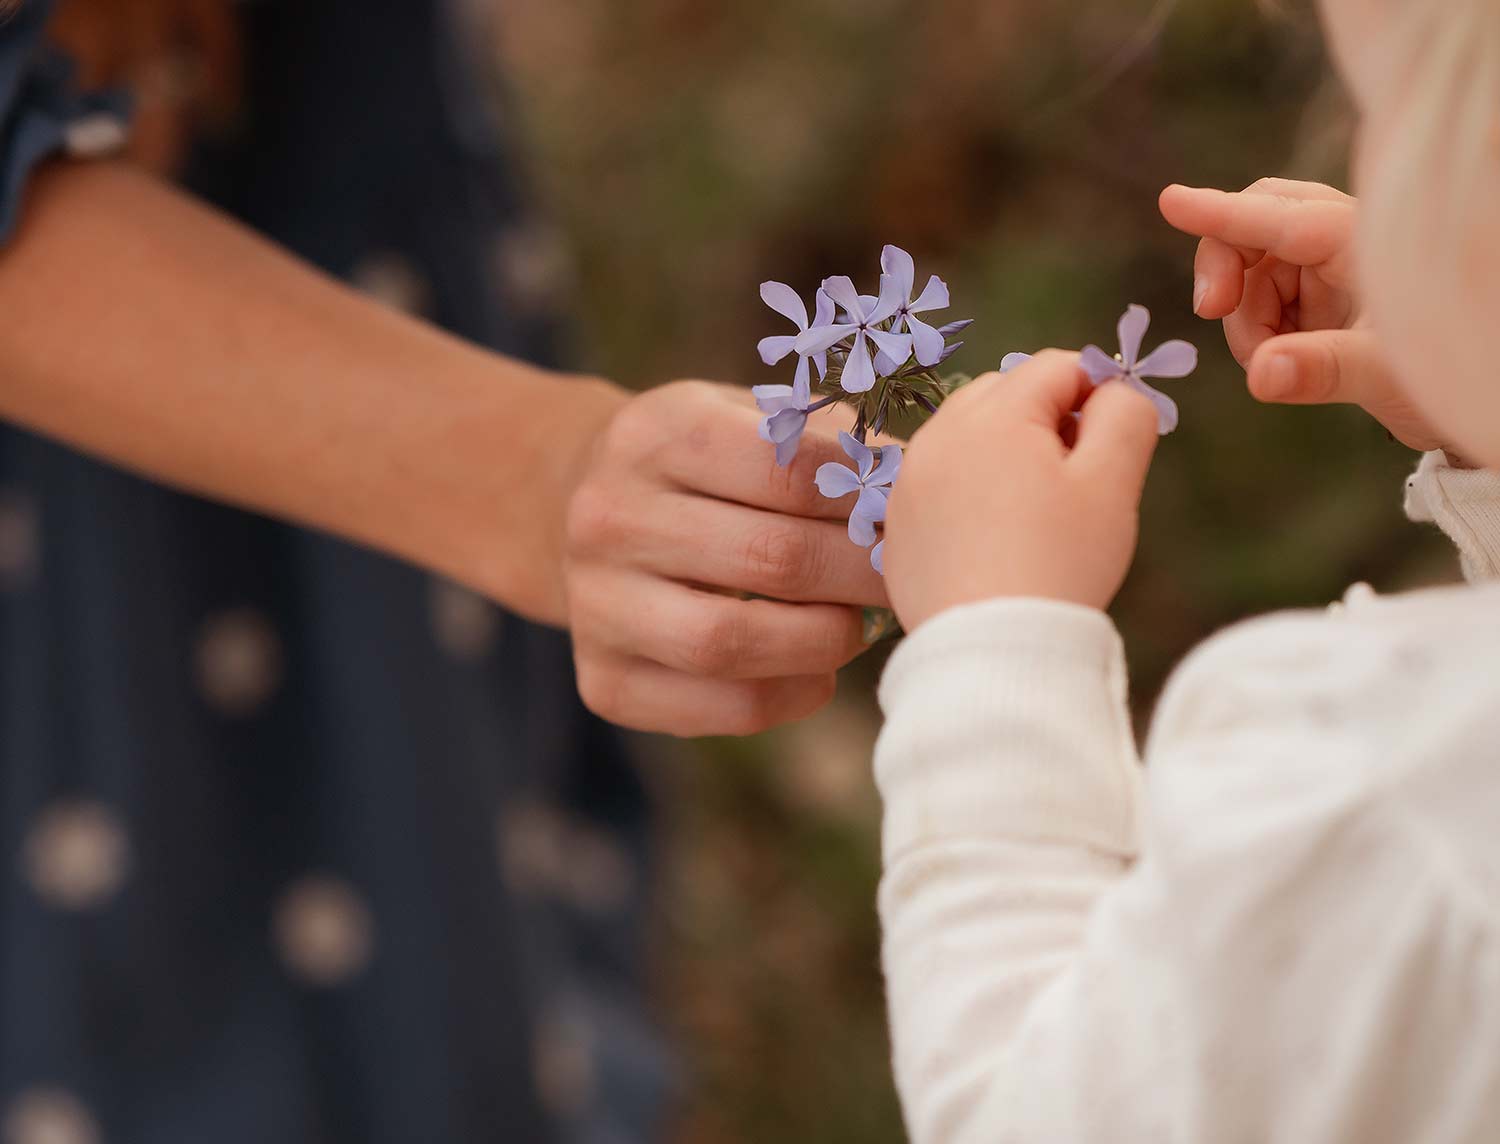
[992, 500]
[1276, 263]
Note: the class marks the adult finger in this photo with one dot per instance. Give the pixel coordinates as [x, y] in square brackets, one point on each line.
[1117, 437]
[704, 633]
[702, 540]
[716, 449]
[649, 697]
[1304, 231]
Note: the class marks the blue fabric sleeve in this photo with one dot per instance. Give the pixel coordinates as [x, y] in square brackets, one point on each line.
[41, 113]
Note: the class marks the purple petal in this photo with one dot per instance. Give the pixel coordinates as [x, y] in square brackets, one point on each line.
[785, 425]
[955, 327]
[825, 308]
[859, 371]
[1166, 408]
[1170, 359]
[802, 385]
[934, 297]
[821, 361]
[899, 265]
[885, 365]
[834, 480]
[1099, 365]
[949, 350]
[819, 339]
[925, 340]
[858, 452]
[786, 451]
[1010, 361]
[889, 302]
[869, 511]
[784, 300]
[774, 398]
[772, 350]
[890, 465]
[877, 558]
[893, 348]
[842, 291]
[1132, 329]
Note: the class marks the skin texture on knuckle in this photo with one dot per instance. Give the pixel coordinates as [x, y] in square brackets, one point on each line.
[597, 519]
[780, 558]
[716, 644]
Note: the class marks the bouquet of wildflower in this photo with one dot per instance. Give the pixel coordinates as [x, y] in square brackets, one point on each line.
[876, 353]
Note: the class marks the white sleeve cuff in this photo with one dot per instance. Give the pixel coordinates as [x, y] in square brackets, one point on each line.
[1465, 504]
[1008, 718]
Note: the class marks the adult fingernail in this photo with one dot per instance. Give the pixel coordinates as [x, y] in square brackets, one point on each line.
[1200, 293]
[1278, 377]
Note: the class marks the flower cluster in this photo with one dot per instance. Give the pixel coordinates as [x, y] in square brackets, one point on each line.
[878, 353]
[875, 352]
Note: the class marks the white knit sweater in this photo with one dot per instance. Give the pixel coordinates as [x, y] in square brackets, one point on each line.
[1286, 928]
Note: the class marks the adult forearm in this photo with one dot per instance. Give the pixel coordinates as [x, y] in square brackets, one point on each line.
[149, 330]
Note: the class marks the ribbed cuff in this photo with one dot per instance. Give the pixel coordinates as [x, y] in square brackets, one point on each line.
[1008, 718]
[1465, 504]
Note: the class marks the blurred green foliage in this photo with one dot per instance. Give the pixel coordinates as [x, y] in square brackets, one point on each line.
[690, 151]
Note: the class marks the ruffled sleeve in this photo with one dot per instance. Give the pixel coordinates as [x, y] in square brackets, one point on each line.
[41, 111]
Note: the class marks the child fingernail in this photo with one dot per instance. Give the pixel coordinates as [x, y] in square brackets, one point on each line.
[1200, 293]
[1278, 376]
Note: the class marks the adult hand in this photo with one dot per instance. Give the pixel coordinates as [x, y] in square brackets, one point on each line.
[681, 515]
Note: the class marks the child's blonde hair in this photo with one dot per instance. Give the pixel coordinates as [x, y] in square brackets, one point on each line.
[1434, 172]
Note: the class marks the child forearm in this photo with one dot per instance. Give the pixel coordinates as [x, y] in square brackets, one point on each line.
[1010, 781]
[155, 333]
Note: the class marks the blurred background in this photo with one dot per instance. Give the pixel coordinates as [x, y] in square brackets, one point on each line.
[688, 152]
[683, 152]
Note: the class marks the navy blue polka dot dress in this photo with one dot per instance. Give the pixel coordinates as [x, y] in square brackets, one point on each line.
[301, 844]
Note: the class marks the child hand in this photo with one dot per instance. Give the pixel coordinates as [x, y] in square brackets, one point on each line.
[992, 501]
[1276, 262]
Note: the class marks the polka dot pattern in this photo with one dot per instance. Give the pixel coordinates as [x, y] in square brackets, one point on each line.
[542, 853]
[464, 624]
[20, 540]
[238, 663]
[323, 931]
[76, 855]
[48, 1116]
[563, 1064]
[395, 282]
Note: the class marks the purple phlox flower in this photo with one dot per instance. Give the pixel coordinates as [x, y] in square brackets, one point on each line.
[1010, 361]
[861, 317]
[1169, 360]
[927, 343]
[785, 301]
[871, 478]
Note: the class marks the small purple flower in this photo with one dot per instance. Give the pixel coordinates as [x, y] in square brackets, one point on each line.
[926, 341]
[787, 407]
[785, 301]
[1169, 360]
[1010, 361]
[871, 479]
[862, 318]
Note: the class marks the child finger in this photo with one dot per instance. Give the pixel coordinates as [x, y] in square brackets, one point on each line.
[1262, 309]
[1219, 278]
[1047, 388]
[1308, 232]
[1117, 437]
[1322, 368]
